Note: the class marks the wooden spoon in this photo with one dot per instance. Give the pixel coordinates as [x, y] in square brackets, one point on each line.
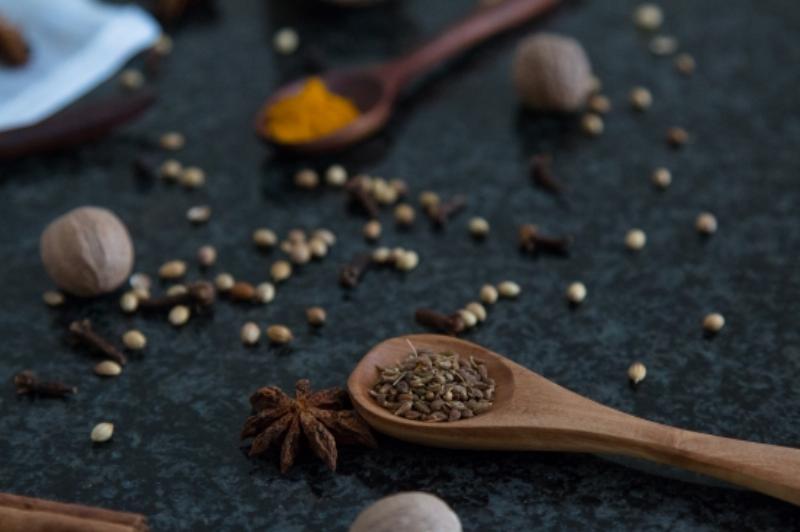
[533, 413]
[374, 89]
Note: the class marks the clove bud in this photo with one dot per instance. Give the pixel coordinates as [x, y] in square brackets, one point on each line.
[531, 240]
[452, 324]
[27, 383]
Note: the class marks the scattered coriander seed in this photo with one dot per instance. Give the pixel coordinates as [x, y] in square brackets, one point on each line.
[306, 178]
[635, 239]
[685, 64]
[264, 238]
[300, 254]
[404, 214]
[637, 372]
[489, 294]
[177, 290]
[372, 230]
[576, 292]
[224, 282]
[478, 227]
[250, 333]
[714, 322]
[102, 432]
[677, 137]
[279, 334]
[399, 186]
[592, 124]
[662, 45]
[336, 175]
[280, 271]
[141, 293]
[317, 247]
[207, 256]
[192, 177]
[641, 98]
[172, 269]
[128, 302]
[170, 170]
[107, 368]
[53, 298]
[265, 292]
[243, 291]
[326, 235]
[140, 280]
[163, 45]
[199, 214]
[384, 193]
[648, 17]
[429, 199]
[381, 255]
[286, 41]
[286, 246]
[661, 177]
[296, 236]
[599, 103]
[134, 340]
[172, 141]
[131, 79]
[407, 261]
[477, 309]
[179, 315]
[706, 223]
[470, 320]
[316, 316]
[508, 289]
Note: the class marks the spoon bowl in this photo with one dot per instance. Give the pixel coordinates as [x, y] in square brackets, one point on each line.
[533, 413]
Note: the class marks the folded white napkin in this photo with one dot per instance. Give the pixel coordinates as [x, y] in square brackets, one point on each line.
[75, 45]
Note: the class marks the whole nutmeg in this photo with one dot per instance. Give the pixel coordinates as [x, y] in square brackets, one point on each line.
[87, 251]
[412, 511]
[552, 73]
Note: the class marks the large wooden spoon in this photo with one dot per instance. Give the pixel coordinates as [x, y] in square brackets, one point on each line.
[533, 413]
[374, 89]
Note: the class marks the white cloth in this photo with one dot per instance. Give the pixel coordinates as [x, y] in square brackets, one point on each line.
[75, 45]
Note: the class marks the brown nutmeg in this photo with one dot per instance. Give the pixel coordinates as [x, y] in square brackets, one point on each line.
[87, 251]
[552, 73]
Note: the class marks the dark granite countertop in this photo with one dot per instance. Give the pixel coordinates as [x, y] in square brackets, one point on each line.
[179, 407]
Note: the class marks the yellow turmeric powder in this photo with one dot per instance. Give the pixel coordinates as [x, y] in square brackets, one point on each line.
[312, 113]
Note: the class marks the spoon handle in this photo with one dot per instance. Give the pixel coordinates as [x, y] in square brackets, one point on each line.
[477, 27]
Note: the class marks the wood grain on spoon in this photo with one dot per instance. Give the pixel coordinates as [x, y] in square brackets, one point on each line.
[374, 89]
[533, 413]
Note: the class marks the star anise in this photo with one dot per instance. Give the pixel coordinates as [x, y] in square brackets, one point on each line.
[320, 416]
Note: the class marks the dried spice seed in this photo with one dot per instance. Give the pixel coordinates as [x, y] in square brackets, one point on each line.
[407, 261]
[264, 238]
[265, 293]
[317, 247]
[477, 309]
[489, 294]
[592, 124]
[470, 320]
[641, 99]
[224, 282]
[372, 230]
[648, 17]
[134, 340]
[478, 227]
[250, 333]
[129, 302]
[108, 368]
[179, 315]
[316, 316]
[207, 256]
[404, 214]
[199, 214]
[279, 334]
[280, 271]
[381, 255]
[706, 223]
[677, 137]
[358, 189]
[599, 103]
[102, 432]
[199, 294]
[383, 193]
[713, 323]
[637, 372]
[508, 289]
[286, 41]
[177, 290]
[662, 45]
[428, 200]
[242, 291]
[661, 178]
[306, 178]
[325, 235]
[576, 293]
[434, 387]
[173, 269]
[141, 281]
[300, 254]
[336, 175]
[685, 64]
[53, 298]
[163, 45]
[635, 239]
[131, 79]
[192, 177]
[27, 383]
[172, 141]
[170, 170]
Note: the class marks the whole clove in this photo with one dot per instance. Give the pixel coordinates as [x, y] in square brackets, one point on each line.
[531, 240]
[27, 383]
[449, 324]
[82, 332]
[352, 272]
[441, 212]
[200, 294]
[359, 196]
[542, 173]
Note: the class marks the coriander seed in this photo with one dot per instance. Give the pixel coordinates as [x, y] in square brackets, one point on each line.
[599, 103]
[677, 137]
[429, 199]
[489, 294]
[685, 64]
[404, 214]
[134, 340]
[316, 316]
[336, 175]
[163, 45]
[250, 333]
[637, 372]
[207, 256]
[399, 186]
[326, 235]
[265, 293]
[300, 254]
[478, 227]
[407, 261]
[286, 41]
[641, 98]
[383, 192]
[296, 236]
[177, 290]
[706, 223]
[131, 79]
[280, 271]
[592, 124]
[714, 322]
[128, 302]
[372, 230]
[224, 282]
[307, 179]
[107, 368]
[199, 214]
[279, 334]
[663, 45]
[381, 255]
[140, 280]
[172, 269]
[192, 177]
[317, 247]
[635, 239]
[102, 432]
[470, 320]
[53, 298]
[661, 177]
[576, 293]
[172, 141]
[264, 238]
[477, 309]
[508, 289]
[179, 315]
[170, 170]
[648, 17]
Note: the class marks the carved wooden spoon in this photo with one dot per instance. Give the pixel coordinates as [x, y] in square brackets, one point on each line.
[374, 89]
[533, 413]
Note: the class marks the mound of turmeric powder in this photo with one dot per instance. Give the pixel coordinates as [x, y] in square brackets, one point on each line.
[314, 112]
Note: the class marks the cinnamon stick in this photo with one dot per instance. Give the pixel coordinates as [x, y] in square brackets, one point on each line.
[26, 514]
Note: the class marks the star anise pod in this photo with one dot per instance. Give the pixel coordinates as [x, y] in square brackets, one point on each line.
[321, 416]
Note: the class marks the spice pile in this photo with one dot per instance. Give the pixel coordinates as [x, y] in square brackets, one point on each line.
[434, 387]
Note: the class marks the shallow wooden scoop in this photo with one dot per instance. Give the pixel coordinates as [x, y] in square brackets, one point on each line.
[533, 413]
[374, 89]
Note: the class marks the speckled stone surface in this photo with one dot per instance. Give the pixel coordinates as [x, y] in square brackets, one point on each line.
[178, 408]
